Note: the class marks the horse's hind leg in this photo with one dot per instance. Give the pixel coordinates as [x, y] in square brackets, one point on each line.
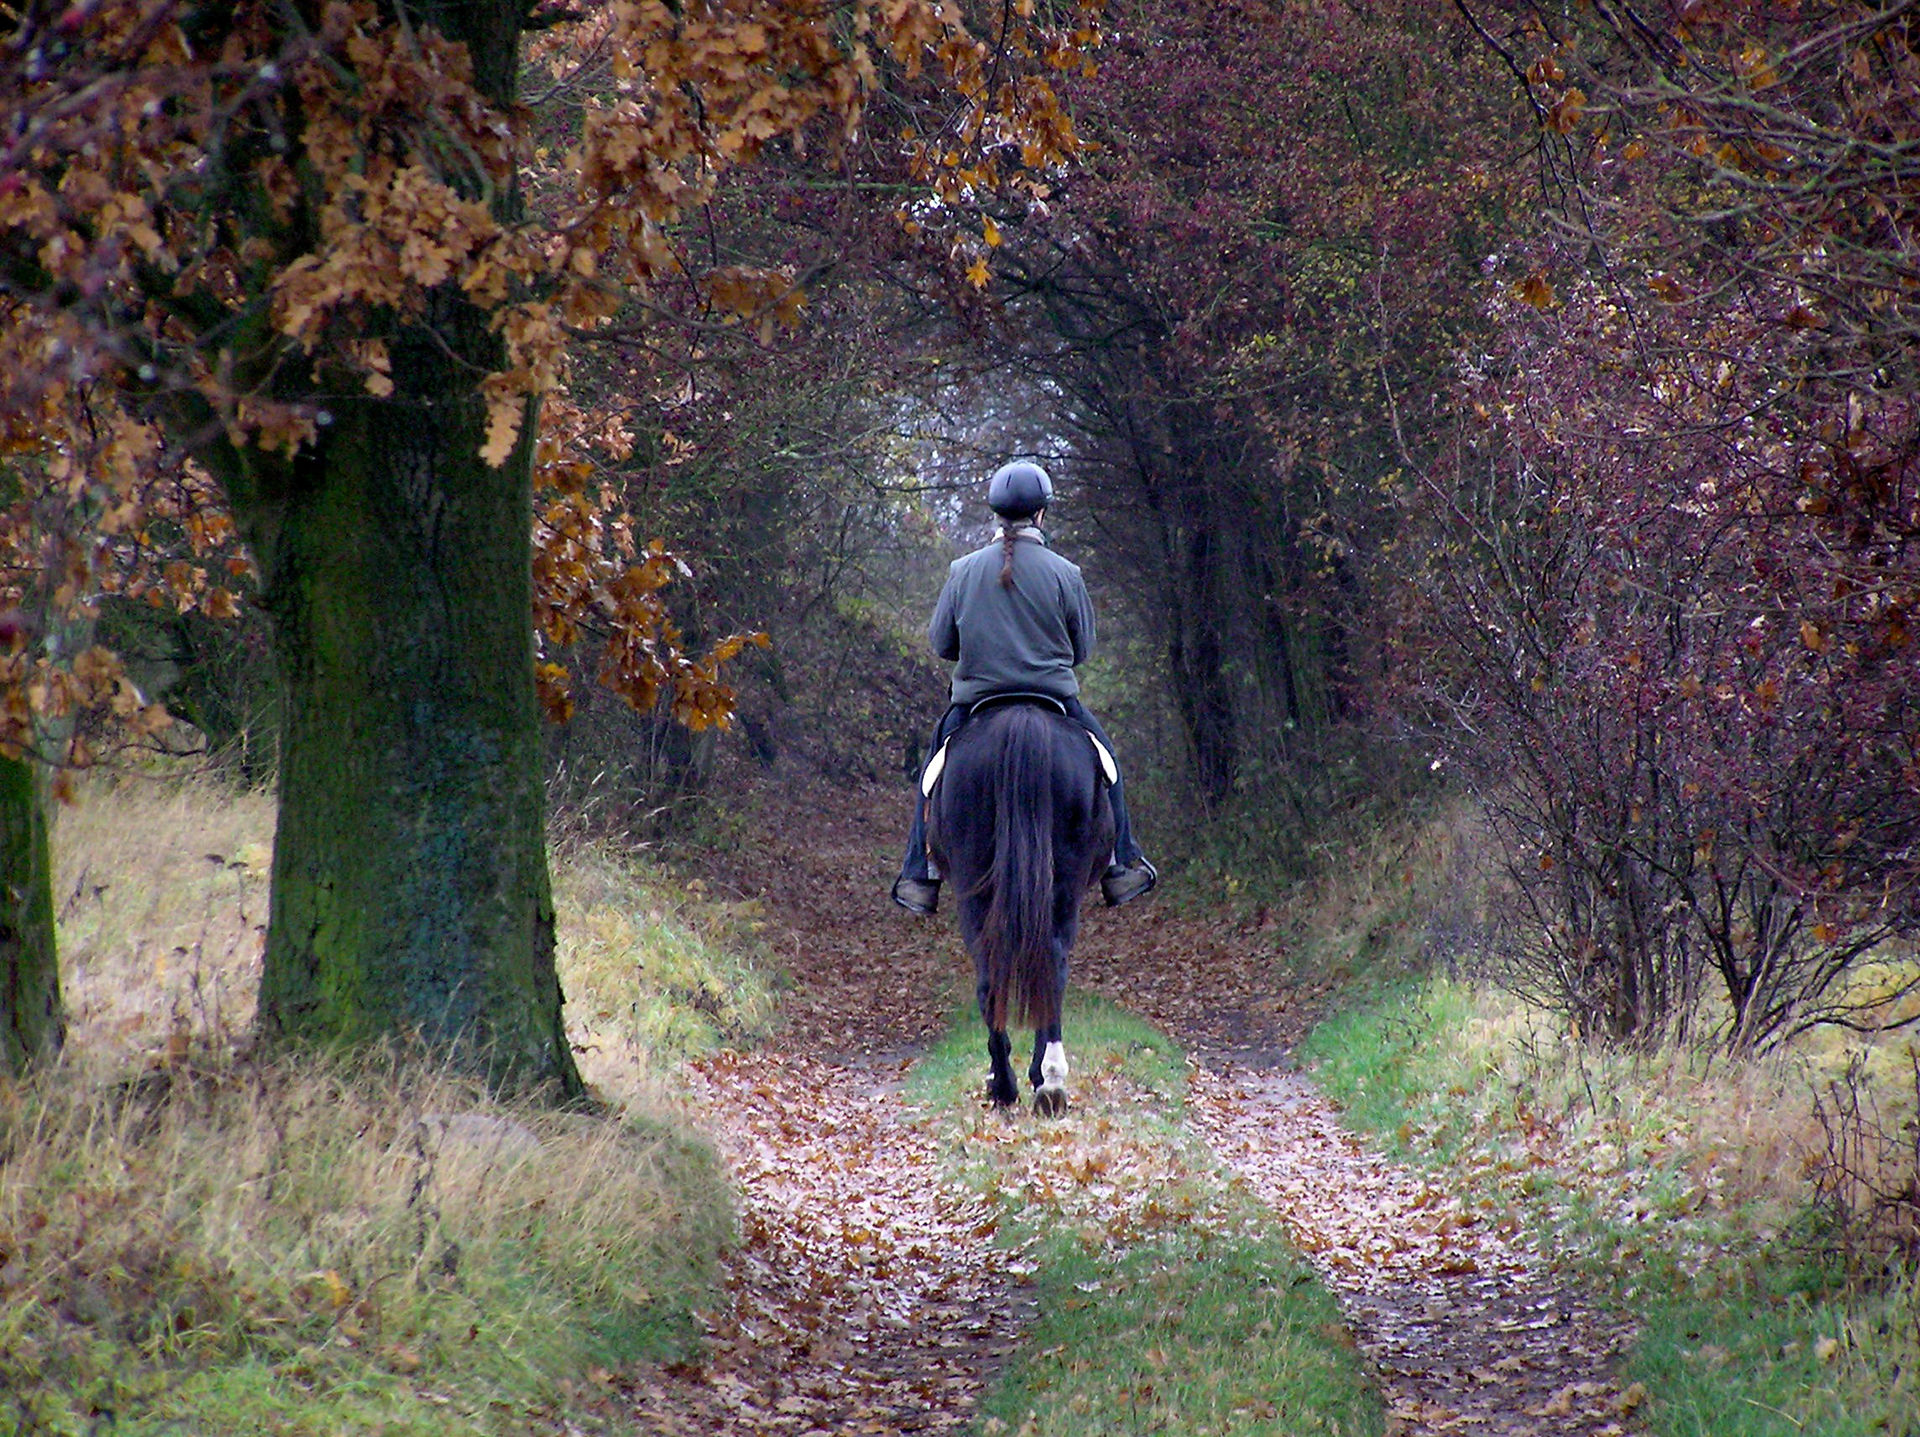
[1048, 1072]
[1036, 1070]
[1001, 1085]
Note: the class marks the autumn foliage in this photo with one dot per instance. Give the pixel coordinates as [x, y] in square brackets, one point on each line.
[326, 253]
[1231, 306]
[223, 216]
[1668, 593]
[593, 578]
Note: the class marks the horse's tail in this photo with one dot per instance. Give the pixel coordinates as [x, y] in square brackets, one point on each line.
[1018, 936]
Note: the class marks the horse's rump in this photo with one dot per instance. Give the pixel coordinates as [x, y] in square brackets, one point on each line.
[1020, 825]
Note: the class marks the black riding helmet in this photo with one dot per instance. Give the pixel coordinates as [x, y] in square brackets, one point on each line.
[1019, 490]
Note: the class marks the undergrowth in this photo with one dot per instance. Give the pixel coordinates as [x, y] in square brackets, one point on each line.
[1164, 1302]
[1711, 1197]
[1681, 1185]
[312, 1247]
[1290, 823]
[195, 1238]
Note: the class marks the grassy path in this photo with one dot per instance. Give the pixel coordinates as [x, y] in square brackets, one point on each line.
[1467, 1327]
[916, 1263]
[188, 1235]
[1167, 1300]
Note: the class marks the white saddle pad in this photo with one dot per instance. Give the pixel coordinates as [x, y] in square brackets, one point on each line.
[938, 763]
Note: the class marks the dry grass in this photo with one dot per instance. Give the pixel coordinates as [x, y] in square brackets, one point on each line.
[174, 1242]
[1744, 1129]
[653, 973]
[163, 893]
[196, 1239]
[1753, 1135]
[162, 896]
[1411, 898]
[1772, 1280]
[1408, 912]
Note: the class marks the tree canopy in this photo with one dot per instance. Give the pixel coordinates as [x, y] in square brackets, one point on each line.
[317, 253]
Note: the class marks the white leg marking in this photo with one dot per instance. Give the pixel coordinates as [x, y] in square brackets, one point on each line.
[1050, 1098]
[1053, 1066]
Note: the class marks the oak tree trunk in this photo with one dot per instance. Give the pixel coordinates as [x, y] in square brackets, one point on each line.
[410, 886]
[411, 897]
[32, 1025]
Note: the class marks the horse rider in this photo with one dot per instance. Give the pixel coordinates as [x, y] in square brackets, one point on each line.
[1014, 618]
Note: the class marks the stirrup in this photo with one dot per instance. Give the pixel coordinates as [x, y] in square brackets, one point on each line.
[1122, 885]
[917, 895]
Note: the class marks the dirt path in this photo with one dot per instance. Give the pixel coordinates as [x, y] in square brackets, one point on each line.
[869, 1296]
[1468, 1330]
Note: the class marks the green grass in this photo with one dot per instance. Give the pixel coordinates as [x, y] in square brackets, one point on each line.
[196, 1240]
[1165, 1303]
[1678, 1187]
[1186, 1332]
[655, 972]
[1105, 1044]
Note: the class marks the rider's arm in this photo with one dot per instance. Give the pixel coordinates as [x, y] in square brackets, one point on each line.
[943, 629]
[1079, 612]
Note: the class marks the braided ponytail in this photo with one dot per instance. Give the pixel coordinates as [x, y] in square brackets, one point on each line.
[1006, 565]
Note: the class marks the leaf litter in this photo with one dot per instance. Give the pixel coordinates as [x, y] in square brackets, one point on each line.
[869, 1292]
[1468, 1326]
[1469, 1329]
[872, 1293]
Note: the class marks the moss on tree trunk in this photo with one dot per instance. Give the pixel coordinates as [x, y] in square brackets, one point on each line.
[31, 1022]
[410, 888]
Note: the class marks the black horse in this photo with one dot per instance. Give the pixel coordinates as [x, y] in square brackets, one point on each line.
[1020, 825]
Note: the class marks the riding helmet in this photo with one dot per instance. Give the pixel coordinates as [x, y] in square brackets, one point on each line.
[1019, 489]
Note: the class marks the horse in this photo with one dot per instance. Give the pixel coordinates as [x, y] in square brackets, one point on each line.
[1019, 824]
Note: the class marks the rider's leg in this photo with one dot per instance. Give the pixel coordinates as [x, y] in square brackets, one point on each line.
[1126, 851]
[916, 888]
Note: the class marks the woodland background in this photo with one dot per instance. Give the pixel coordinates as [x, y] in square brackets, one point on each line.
[1476, 395]
[1499, 403]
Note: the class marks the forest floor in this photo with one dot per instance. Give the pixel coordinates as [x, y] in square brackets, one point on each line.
[870, 1294]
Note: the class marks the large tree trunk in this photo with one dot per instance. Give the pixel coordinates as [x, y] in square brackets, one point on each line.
[32, 1025]
[410, 889]
[410, 886]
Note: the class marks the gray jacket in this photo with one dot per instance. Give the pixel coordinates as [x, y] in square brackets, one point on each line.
[1027, 637]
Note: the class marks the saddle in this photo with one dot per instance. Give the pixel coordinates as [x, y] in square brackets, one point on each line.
[937, 764]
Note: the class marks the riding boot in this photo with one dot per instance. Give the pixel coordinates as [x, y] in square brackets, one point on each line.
[917, 895]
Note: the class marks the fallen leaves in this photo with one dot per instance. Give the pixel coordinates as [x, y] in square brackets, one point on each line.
[868, 1293]
[1468, 1328]
[870, 1296]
